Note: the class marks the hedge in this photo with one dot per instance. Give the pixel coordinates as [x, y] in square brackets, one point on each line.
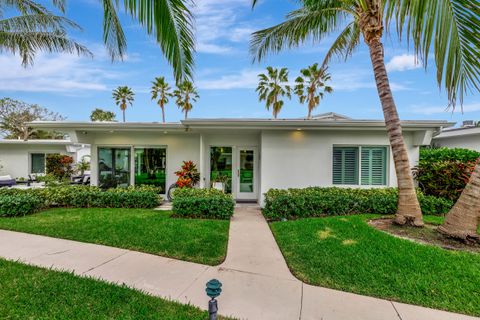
[202, 203]
[16, 202]
[316, 201]
[444, 172]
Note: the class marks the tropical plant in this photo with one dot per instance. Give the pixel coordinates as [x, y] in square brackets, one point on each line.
[188, 176]
[35, 29]
[122, 96]
[186, 93]
[451, 26]
[102, 115]
[82, 166]
[271, 87]
[311, 86]
[14, 116]
[161, 92]
[60, 166]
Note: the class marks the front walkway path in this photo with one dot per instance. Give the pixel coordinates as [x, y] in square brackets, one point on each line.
[257, 283]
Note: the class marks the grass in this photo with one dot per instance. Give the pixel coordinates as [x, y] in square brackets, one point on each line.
[345, 253]
[151, 231]
[29, 292]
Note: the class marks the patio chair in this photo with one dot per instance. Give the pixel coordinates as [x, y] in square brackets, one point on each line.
[7, 181]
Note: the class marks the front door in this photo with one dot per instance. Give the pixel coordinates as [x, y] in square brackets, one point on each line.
[246, 175]
[236, 167]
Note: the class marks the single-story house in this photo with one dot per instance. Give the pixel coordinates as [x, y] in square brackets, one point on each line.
[255, 154]
[20, 158]
[467, 136]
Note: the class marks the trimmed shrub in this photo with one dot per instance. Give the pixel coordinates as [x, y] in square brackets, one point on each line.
[444, 172]
[59, 165]
[202, 203]
[316, 201]
[17, 204]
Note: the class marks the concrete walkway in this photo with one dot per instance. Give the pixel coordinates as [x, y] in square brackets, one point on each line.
[257, 283]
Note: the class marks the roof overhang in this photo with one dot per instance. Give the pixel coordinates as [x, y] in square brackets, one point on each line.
[35, 142]
[458, 132]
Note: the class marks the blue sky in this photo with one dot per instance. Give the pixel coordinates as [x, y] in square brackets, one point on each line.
[224, 75]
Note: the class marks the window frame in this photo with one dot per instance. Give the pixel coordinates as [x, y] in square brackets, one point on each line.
[359, 164]
[30, 155]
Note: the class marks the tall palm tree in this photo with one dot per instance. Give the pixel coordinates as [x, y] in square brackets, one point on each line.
[35, 29]
[271, 87]
[450, 25]
[122, 96]
[311, 86]
[161, 91]
[186, 93]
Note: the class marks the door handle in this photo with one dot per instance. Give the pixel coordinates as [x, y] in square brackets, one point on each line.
[238, 172]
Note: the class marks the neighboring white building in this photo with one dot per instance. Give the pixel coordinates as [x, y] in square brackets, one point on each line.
[467, 136]
[20, 158]
[257, 154]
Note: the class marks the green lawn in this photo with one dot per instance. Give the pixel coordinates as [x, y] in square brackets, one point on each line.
[345, 253]
[34, 293]
[151, 231]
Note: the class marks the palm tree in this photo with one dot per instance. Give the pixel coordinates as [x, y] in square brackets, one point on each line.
[311, 86]
[35, 29]
[450, 25]
[161, 91]
[186, 93]
[122, 96]
[271, 87]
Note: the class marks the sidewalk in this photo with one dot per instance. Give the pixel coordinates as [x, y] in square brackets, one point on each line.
[257, 283]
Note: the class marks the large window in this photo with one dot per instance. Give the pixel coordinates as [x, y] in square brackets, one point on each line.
[37, 161]
[360, 165]
[150, 167]
[113, 167]
[221, 165]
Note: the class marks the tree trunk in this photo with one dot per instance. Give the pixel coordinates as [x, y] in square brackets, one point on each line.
[462, 220]
[186, 114]
[309, 116]
[123, 112]
[408, 211]
[163, 114]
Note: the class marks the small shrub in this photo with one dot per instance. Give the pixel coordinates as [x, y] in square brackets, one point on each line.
[202, 203]
[17, 204]
[59, 165]
[444, 172]
[316, 201]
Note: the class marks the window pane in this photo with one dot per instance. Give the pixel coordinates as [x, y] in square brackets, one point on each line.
[38, 163]
[221, 165]
[246, 170]
[374, 166]
[345, 165]
[150, 165]
[113, 167]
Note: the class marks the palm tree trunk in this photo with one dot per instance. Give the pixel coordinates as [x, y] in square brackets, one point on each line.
[123, 112]
[163, 114]
[408, 211]
[186, 114]
[462, 220]
[309, 116]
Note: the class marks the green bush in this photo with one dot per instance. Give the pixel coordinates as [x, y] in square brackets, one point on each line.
[444, 172]
[17, 204]
[59, 165]
[202, 203]
[78, 197]
[316, 201]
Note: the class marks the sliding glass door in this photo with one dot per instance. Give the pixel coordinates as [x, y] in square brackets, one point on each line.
[113, 167]
[150, 167]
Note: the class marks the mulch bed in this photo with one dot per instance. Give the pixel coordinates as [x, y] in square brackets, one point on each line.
[427, 235]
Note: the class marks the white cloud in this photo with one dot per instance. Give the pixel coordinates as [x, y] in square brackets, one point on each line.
[54, 73]
[402, 63]
[246, 79]
[219, 25]
[429, 110]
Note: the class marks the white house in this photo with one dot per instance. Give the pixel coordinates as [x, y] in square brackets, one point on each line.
[467, 136]
[20, 158]
[256, 154]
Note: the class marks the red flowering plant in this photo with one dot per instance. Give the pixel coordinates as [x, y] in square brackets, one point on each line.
[188, 176]
[59, 166]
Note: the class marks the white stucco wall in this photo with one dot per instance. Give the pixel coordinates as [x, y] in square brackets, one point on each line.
[467, 141]
[180, 147]
[292, 159]
[15, 158]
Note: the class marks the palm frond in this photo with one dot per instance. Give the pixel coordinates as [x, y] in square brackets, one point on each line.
[37, 22]
[453, 28]
[113, 35]
[27, 44]
[345, 44]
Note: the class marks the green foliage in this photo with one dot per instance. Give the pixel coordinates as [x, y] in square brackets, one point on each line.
[272, 87]
[444, 172]
[102, 115]
[25, 201]
[60, 166]
[316, 201]
[17, 204]
[185, 94]
[202, 203]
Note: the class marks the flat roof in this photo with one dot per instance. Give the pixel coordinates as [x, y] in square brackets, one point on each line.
[458, 132]
[36, 141]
